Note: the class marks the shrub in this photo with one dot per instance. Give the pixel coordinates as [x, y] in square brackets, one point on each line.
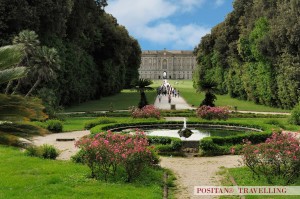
[222, 145]
[165, 144]
[98, 121]
[210, 113]
[49, 151]
[295, 115]
[278, 157]
[145, 112]
[105, 152]
[78, 157]
[44, 151]
[54, 125]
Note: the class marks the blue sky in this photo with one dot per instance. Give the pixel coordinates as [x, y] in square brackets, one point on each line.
[170, 24]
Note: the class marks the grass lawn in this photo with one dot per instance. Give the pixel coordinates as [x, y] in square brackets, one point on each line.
[120, 101]
[243, 177]
[30, 177]
[193, 98]
[129, 98]
[75, 123]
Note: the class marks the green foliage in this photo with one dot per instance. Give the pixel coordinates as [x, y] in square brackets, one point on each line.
[58, 179]
[253, 54]
[295, 115]
[222, 145]
[102, 120]
[54, 125]
[165, 144]
[44, 151]
[97, 56]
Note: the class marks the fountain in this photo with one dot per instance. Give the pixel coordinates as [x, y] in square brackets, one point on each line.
[185, 132]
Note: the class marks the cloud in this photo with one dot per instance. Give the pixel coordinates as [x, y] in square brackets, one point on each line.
[188, 5]
[187, 36]
[219, 2]
[132, 13]
[150, 20]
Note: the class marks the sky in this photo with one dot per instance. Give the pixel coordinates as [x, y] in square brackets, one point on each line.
[170, 24]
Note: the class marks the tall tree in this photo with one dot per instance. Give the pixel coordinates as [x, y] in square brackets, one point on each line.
[141, 86]
[46, 62]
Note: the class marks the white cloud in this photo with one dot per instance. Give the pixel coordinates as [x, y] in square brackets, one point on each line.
[132, 13]
[188, 5]
[219, 2]
[187, 36]
[148, 20]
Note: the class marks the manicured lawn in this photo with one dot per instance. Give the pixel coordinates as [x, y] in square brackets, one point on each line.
[75, 123]
[243, 177]
[29, 177]
[129, 98]
[193, 98]
[119, 101]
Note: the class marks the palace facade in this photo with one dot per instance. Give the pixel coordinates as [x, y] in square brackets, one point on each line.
[174, 64]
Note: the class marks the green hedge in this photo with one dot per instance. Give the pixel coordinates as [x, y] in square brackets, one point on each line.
[222, 145]
[165, 144]
[102, 120]
[104, 127]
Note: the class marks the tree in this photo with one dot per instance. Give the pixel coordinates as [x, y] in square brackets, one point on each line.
[141, 86]
[46, 61]
[29, 39]
[14, 107]
[209, 87]
[10, 57]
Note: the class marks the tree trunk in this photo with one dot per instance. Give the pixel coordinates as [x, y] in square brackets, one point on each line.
[34, 86]
[17, 87]
[8, 87]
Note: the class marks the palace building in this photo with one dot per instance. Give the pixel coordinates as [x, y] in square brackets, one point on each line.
[165, 64]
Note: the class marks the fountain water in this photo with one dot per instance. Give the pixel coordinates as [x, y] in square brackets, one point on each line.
[184, 123]
[185, 132]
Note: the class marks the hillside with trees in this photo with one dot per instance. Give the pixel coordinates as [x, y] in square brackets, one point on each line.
[74, 50]
[254, 54]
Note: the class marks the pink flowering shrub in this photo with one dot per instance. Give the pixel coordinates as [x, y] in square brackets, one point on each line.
[278, 157]
[210, 113]
[145, 112]
[105, 152]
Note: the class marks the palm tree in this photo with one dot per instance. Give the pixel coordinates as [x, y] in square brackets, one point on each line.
[143, 85]
[46, 61]
[209, 87]
[10, 57]
[29, 39]
[16, 108]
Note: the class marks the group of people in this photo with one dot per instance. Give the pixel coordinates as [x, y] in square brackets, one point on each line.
[166, 89]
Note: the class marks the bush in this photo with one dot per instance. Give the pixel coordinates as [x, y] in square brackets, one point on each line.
[275, 122]
[165, 144]
[222, 145]
[145, 112]
[78, 157]
[278, 157]
[295, 115]
[105, 152]
[44, 151]
[98, 121]
[210, 113]
[54, 125]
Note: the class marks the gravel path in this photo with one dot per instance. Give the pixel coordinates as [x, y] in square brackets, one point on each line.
[197, 171]
[67, 148]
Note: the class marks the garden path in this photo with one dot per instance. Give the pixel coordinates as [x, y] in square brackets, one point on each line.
[67, 148]
[179, 102]
[198, 171]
